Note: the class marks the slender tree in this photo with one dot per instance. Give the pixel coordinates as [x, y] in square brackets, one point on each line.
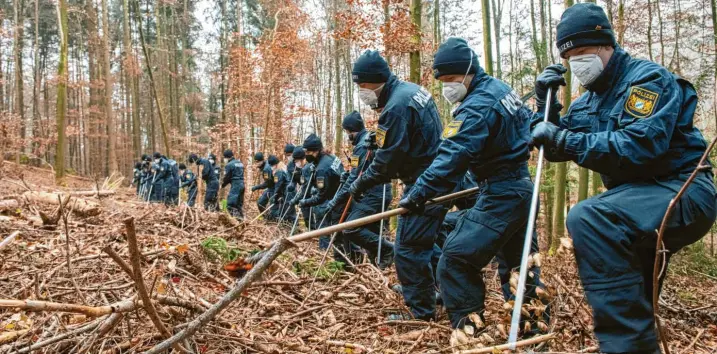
[415, 55]
[61, 90]
[487, 38]
[109, 116]
[713, 5]
[19, 11]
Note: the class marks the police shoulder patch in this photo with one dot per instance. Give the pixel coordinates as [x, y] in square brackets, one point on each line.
[380, 136]
[452, 129]
[266, 175]
[276, 179]
[355, 161]
[320, 182]
[641, 102]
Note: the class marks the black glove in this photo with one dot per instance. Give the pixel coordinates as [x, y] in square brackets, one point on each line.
[357, 188]
[344, 177]
[302, 203]
[549, 135]
[551, 77]
[294, 201]
[322, 211]
[254, 188]
[415, 205]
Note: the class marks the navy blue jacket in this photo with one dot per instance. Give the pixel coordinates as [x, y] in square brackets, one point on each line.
[268, 177]
[188, 179]
[489, 135]
[290, 167]
[358, 162]
[172, 176]
[635, 124]
[281, 181]
[408, 134]
[234, 174]
[326, 179]
[208, 173]
[301, 176]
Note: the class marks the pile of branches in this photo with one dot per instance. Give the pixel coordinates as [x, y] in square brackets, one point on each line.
[126, 278]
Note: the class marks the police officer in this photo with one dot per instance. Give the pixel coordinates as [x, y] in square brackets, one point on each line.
[137, 176]
[211, 180]
[408, 135]
[281, 181]
[268, 182]
[160, 173]
[146, 176]
[287, 210]
[188, 180]
[326, 180]
[374, 199]
[171, 183]
[234, 175]
[489, 135]
[302, 173]
[634, 126]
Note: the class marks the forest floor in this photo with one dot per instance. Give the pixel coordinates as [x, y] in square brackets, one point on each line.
[183, 257]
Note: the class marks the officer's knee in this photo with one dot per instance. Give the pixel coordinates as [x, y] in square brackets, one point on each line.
[579, 217]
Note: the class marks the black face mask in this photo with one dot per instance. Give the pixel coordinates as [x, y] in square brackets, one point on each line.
[310, 158]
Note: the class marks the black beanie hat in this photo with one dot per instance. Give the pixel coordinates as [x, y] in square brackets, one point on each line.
[228, 153]
[192, 158]
[288, 148]
[583, 25]
[273, 160]
[157, 155]
[258, 157]
[212, 157]
[182, 166]
[299, 153]
[137, 165]
[145, 157]
[313, 143]
[353, 122]
[370, 67]
[454, 57]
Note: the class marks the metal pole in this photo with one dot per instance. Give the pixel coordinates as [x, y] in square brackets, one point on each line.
[380, 231]
[151, 186]
[296, 219]
[515, 321]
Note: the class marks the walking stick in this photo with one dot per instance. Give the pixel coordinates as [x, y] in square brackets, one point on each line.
[515, 321]
[149, 195]
[296, 218]
[380, 231]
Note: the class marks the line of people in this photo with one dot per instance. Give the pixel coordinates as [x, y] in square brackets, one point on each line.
[634, 126]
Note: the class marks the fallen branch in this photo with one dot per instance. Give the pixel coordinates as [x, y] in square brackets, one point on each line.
[102, 193]
[269, 256]
[9, 204]
[79, 206]
[701, 166]
[520, 343]
[36, 305]
[9, 239]
[8, 337]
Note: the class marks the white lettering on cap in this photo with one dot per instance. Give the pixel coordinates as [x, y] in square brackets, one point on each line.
[566, 45]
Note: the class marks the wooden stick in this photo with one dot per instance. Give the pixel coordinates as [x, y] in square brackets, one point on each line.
[269, 256]
[53, 340]
[9, 239]
[135, 255]
[36, 305]
[520, 343]
[116, 257]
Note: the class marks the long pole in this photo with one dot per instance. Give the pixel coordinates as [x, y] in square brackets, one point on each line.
[380, 230]
[515, 321]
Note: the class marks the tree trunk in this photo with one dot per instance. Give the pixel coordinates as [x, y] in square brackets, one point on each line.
[543, 35]
[338, 134]
[415, 55]
[497, 15]
[111, 129]
[597, 183]
[660, 33]
[713, 5]
[36, 77]
[130, 60]
[620, 22]
[534, 40]
[583, 183]
[649, 27]
[487, 38]
[26, 133]
[61, 90]
[561, 168]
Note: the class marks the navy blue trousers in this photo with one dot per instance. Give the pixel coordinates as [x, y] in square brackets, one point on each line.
[210, 196]
[235, 201]
[366, 237]
[614, 241]
[191, 195]
[414, 251]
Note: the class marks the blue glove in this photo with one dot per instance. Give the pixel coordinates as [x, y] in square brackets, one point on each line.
[549, 135]
[415, 205]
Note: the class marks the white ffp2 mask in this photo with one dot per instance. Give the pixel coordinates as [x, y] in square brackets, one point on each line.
[586, 67]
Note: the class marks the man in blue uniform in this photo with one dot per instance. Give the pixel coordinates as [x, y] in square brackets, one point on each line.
[146, 175]
[281, 181]
[137, 176]
[301, 175]
[171, 183]
[326, 181]
[489, 136]
[287, 211]
[160, 173]
[408, 135]
[635, 127]
[234, 175]
[188, 180]
[211, 181]
[267, 179]
[373, 199]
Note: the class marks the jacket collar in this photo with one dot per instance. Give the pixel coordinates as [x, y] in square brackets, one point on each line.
[386, 91]
[612, 73]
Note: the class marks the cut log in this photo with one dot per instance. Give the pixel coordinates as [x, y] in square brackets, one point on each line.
[9, 204]
[78, 206]
[103, 193]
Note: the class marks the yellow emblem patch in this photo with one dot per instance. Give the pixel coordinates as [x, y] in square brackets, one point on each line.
[452, 129]
[641, 102]
[380, 137]
[266, 175]
[276, 179]
[320, 182]
[355, 161]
